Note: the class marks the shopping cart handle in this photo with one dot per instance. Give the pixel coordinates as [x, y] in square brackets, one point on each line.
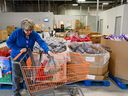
[18, 56]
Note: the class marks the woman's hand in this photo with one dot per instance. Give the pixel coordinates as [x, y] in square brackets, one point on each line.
[50, 53]
[23, 50]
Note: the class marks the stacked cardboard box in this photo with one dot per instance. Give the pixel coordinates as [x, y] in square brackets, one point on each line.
[98, 65]
[77, 25]
[95, 37]
[118, 65]
[60, 34]
[38, 27]
[84, 31]
[3, 35]
[10, 29]
[77, 68]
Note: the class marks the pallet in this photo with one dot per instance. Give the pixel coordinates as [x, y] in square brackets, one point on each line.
[97, 83]
[6, 87]
[119, 83]
[9, 86]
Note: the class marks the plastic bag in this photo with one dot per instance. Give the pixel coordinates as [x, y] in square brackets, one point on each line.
[52, 69]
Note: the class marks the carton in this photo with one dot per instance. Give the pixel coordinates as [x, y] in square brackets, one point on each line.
[95, 77]
[10, 29]
[6, 72]
[98, 69]
[97, 59]
[38, 27]
[96, 38]
[59, 34]
[77, 25]
[84, 31]
[77, 68]
[118, 64]
[3, 35]
[98, 62]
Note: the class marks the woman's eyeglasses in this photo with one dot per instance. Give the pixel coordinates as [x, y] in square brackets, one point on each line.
[28, 31]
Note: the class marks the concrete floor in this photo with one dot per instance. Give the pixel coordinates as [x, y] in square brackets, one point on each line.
[112, 90]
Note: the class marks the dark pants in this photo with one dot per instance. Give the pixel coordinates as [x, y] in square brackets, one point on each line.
[17, 77]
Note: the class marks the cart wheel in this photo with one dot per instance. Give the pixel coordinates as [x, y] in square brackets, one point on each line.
[80, 92]
[54, 93]
[75, 92]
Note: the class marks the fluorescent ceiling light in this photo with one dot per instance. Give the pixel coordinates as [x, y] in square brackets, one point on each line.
[80, 1]
[106, 3]
[74, 4]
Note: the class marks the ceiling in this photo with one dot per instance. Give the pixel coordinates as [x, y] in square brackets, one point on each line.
[65, 1]
[69, 1]
[15, 4]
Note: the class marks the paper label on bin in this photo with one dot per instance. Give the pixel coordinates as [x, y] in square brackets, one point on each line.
[90, 59]
[91, 77]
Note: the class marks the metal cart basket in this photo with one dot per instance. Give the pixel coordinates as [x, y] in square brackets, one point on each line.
[41, 78]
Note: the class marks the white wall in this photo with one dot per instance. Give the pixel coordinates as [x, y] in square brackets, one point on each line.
[76, 10]
[14, 18]
[125, 20]
[70, 20]
[67, 20]
[109, 16]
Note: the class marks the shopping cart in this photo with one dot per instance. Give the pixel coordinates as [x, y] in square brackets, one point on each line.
[39, 78]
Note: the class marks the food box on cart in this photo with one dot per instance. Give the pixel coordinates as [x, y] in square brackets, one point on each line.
[5, 70]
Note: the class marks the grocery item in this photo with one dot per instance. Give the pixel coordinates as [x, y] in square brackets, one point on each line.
[56, 45]
[85, 48]
[121, 37]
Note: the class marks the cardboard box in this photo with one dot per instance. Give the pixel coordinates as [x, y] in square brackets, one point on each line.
[77, 25]
[10, 29]
[6, 72]
[87, 27]
[94, 33]
[98, 70]
[118, 65]
[3, 35]
[77, 72]
[95, 38]
[95, 77]
[84, 31]
[97, 59]
[38, 27]
[98, 62]
[59, 34]
[77, 67]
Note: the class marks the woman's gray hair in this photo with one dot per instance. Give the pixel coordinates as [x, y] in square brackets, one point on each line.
[27, 24]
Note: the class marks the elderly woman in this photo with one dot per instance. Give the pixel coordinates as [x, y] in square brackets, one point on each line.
[19, 41]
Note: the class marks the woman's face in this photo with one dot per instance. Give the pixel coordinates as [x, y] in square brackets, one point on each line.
[27, 32]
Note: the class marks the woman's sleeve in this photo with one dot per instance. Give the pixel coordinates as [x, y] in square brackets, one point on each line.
[41, 42]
